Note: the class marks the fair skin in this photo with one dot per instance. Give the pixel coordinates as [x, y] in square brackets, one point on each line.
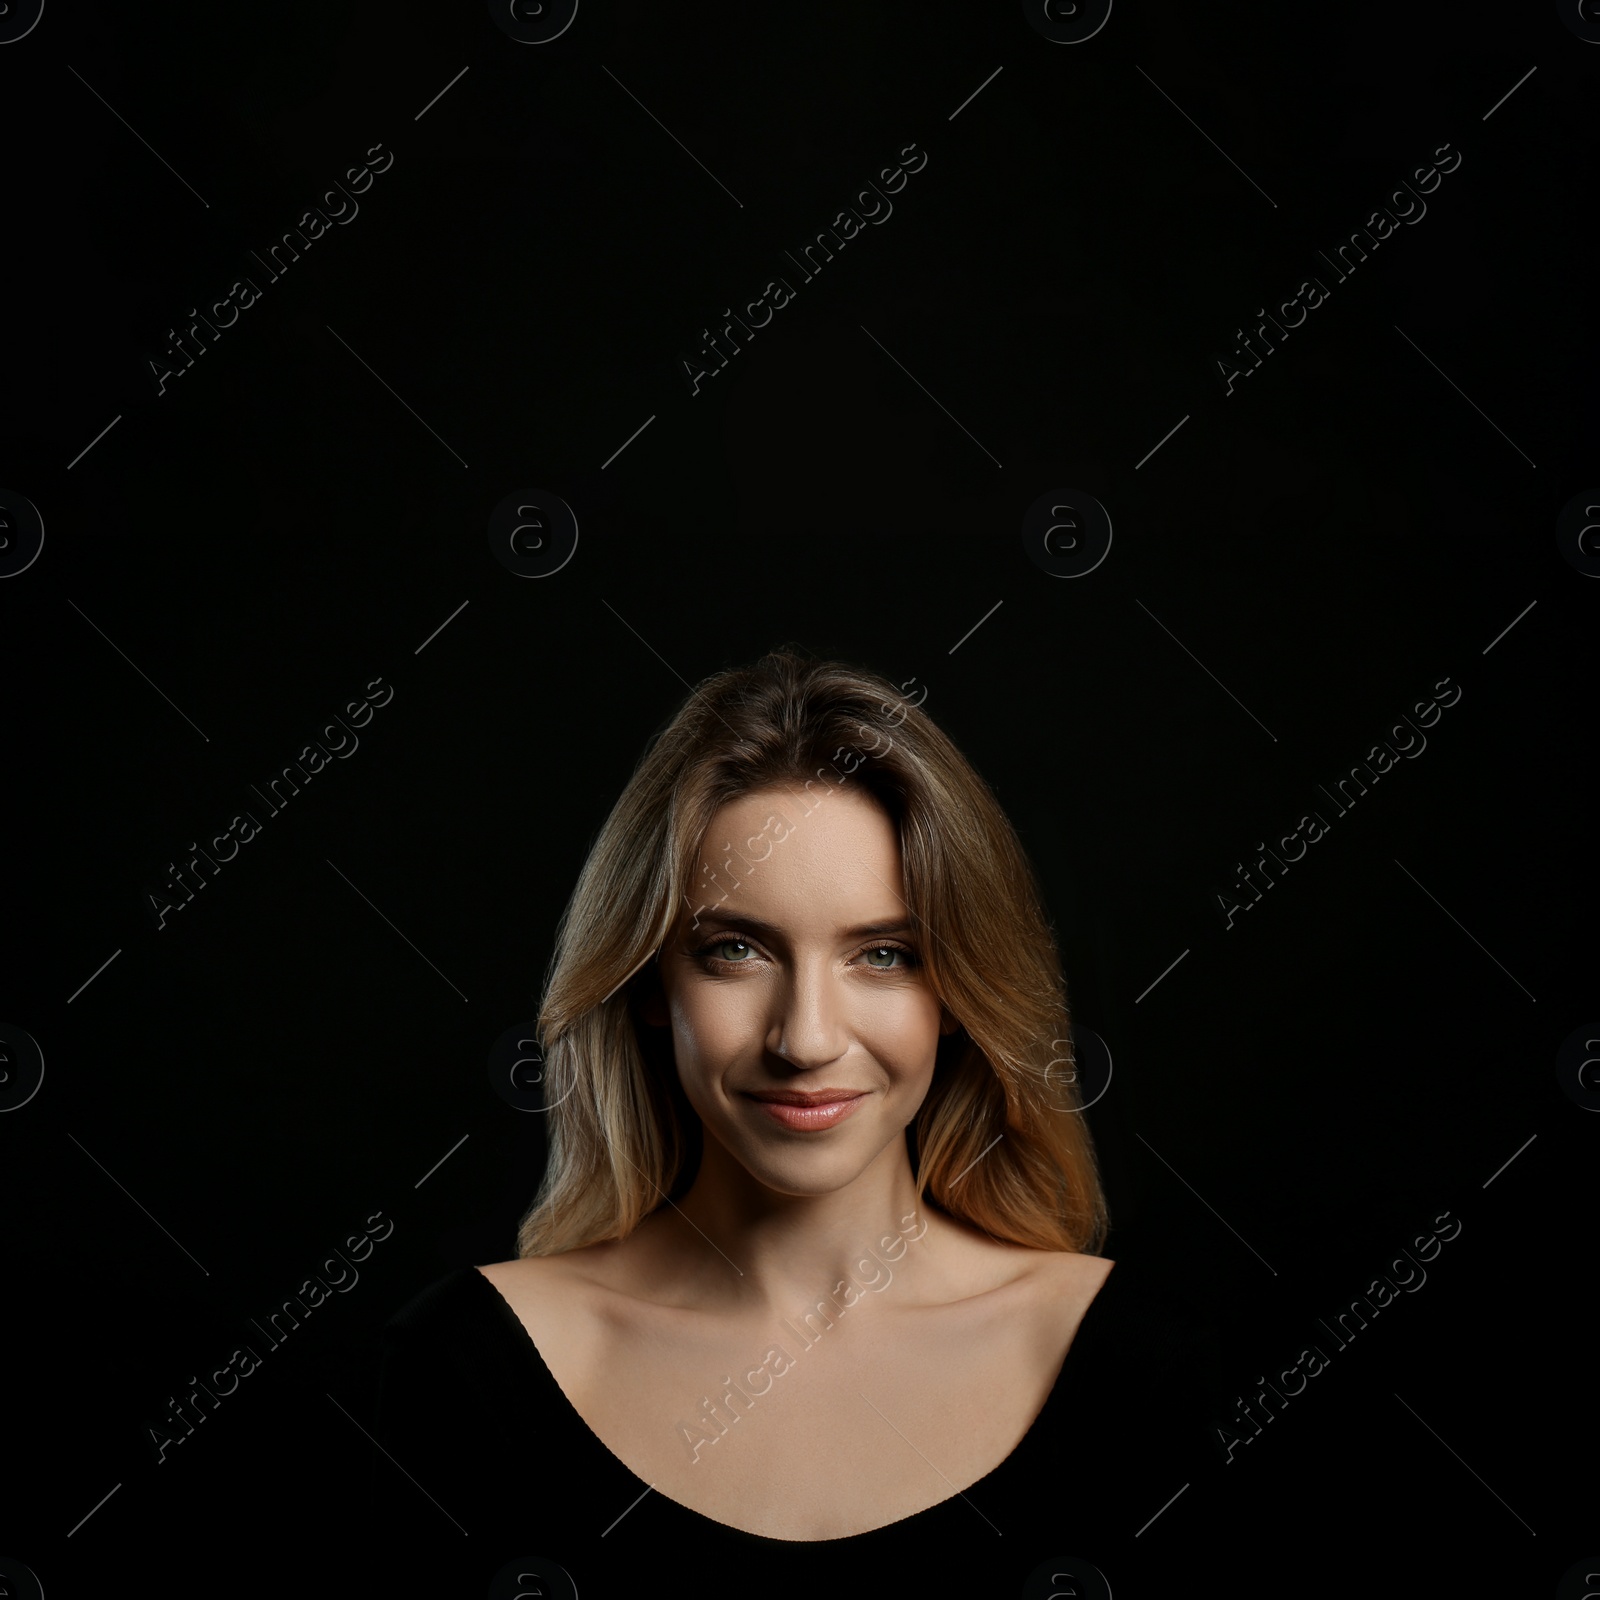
[944, 1343]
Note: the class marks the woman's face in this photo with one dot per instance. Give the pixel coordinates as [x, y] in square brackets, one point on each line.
[806, 978]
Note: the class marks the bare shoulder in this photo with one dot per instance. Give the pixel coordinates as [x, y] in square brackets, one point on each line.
[562, 1304]
[1048, 1299]
[1065, 1279]
[1070, 1276]
[560, 1276]
[572, 1280]
[1016, 1272]
[525, 1271]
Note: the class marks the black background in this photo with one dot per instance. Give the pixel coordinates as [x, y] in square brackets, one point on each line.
[299, 1048]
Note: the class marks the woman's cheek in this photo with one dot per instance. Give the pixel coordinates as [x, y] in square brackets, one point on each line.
[714, 1029]
[905, 1036]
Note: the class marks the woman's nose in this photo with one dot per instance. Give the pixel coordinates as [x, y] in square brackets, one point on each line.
[809, 1030]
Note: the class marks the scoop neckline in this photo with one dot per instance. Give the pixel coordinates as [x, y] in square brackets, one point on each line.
[1047, 1410]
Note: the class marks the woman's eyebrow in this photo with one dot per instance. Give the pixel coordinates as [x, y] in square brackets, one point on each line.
[864, 930]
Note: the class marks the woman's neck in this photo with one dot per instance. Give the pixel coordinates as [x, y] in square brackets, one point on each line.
[733, 1246]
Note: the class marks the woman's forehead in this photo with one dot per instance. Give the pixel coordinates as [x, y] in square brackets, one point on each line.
[819, 823]
[774, 859]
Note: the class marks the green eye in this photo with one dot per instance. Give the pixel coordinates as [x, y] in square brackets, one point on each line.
[713, 952]
[908, 958]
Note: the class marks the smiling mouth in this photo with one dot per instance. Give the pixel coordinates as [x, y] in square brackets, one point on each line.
[809, 1113]
[801, 1097]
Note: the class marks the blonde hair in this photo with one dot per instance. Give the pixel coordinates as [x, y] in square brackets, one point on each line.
[622, 1136]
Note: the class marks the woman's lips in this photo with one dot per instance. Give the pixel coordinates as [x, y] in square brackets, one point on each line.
[803, 1118]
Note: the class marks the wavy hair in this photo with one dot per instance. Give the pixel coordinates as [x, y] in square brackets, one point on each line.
[622, 1134]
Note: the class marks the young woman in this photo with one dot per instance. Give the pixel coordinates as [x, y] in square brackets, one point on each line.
[816, 1233]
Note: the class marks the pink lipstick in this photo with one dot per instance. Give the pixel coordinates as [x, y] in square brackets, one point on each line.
[823, 1108]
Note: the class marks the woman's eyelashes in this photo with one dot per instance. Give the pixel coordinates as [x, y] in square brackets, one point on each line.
[902, 957]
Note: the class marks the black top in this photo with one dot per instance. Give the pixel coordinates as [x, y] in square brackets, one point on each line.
[490, 1464]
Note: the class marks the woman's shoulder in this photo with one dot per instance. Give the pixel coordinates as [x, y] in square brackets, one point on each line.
[1067, 1271]
[1010, 1271]
[605, 1280]
[535, 1269]
[529, 1281]
[1056, 1290]
[473, 1302]
[565, 1304]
